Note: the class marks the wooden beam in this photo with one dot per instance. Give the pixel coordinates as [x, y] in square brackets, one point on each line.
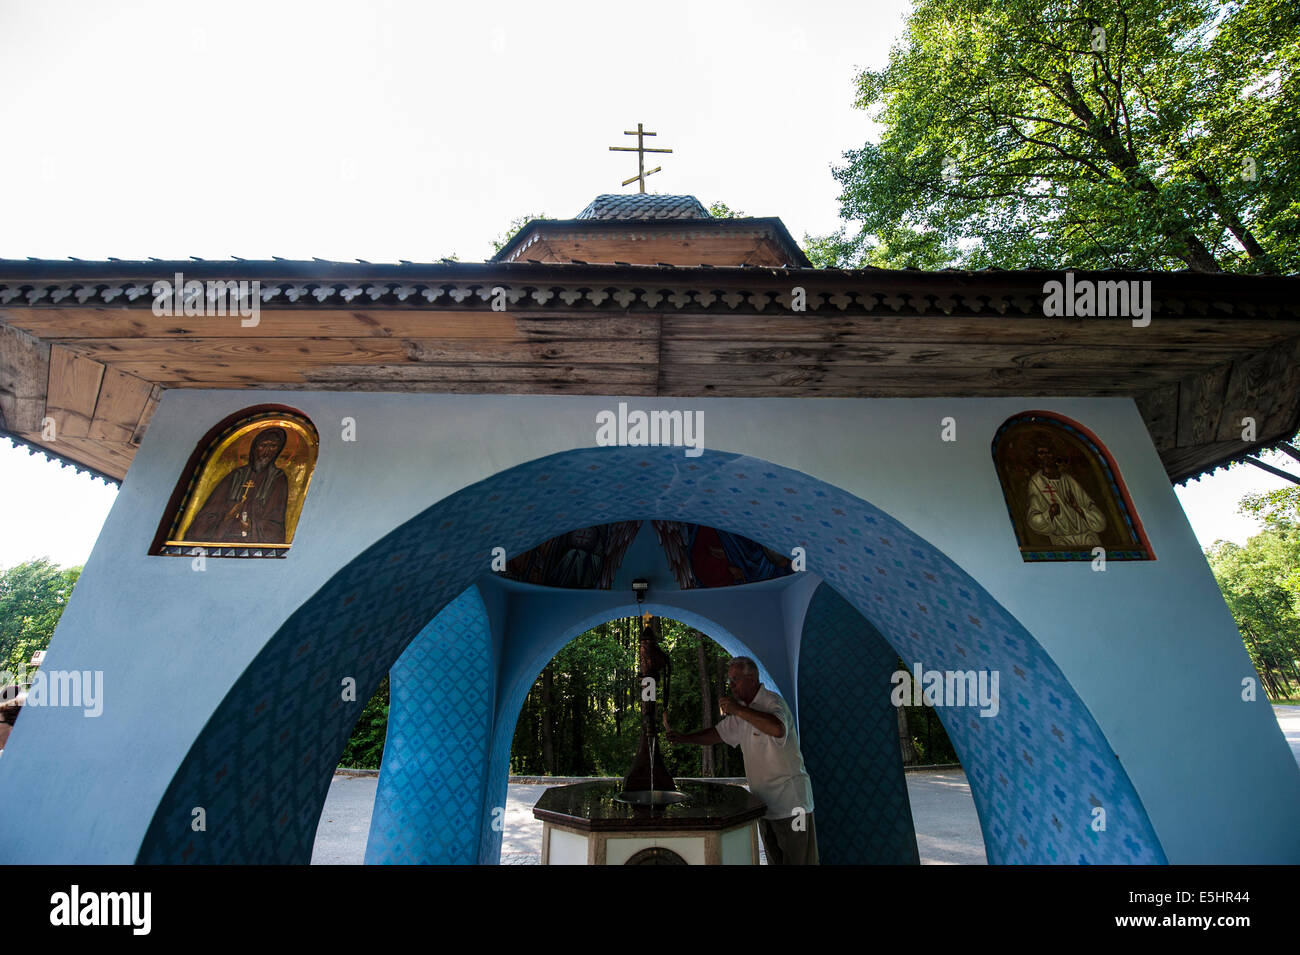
[1159, 410]
[1200, 404]
[851, 381]
[102, 456]
[611, 378]
[538, 386]
[1170, 363]
[122, 400]
[296, 355]
[1256, 385]
[146, 415]
[24, 378]
[73, 392]
[69, 325]
[652, 249]
[1272, 470]
[958, 330]
[66, 324]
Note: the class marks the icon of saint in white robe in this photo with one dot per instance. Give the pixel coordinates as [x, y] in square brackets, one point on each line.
[1077, 520]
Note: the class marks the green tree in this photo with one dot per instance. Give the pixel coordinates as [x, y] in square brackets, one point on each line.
[587, 702]
[32, 598]
[1261, 586]
[1276, 508]
[582, 716]
[834, 251]
[720, 210]
[365, 748]
[516, 224]
[1047, 133]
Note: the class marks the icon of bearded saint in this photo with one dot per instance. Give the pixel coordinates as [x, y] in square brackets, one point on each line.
[1059, 507]
[248, 505]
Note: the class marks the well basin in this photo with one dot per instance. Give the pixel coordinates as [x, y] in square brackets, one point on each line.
[600, 823]
[651, 797]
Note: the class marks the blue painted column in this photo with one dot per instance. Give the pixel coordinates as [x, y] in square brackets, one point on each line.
[429, 808]
[848, 730]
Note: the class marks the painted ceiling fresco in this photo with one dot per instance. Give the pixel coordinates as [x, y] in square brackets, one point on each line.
[698, 556]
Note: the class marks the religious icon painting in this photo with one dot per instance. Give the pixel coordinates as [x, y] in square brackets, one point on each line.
[243, 492]
[1064, 493]
[701, 556]
[586, 558]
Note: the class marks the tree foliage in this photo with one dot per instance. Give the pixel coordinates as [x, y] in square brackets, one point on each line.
[33, 596]
[720, 210]
[365, 748]
[517, 223]
[1047, 133]
[582, 716]
[1276, 508]
[1261, 585]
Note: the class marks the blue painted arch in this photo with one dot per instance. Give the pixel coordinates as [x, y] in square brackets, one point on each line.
[446, 756]
[513, 697]
[1037, 770]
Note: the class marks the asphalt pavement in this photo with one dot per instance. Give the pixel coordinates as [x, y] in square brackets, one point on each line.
[947, 826]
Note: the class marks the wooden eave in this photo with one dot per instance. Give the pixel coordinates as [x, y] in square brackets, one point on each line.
[80, 346]
[763, 242]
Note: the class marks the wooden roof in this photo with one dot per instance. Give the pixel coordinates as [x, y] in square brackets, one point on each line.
[80, 345]
[644, 205]
[676, 242]
[653, 229]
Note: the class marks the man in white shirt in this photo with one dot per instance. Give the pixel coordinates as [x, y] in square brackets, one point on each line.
[760, 723]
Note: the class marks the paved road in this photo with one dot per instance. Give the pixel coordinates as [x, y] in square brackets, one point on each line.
[1288, 717]
[947, 826]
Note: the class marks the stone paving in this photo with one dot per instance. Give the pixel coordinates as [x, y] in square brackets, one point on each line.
[1288, 717]
[947, 826]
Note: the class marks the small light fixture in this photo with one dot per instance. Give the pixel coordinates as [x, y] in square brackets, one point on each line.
[639, 587]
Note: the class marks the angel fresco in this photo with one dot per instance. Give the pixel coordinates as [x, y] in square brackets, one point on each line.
[1064, 493]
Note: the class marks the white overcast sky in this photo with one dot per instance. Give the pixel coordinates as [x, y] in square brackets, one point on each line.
[404, 130]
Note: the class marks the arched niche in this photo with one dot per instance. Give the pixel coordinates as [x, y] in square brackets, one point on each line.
[243, 489]
[1064, 492]
[1037, 769]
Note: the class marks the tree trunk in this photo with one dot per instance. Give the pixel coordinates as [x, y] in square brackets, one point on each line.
[1231, 219]
[726, 750]
[548, 744]
[1263, 669]
[1187, 245]
[706, 708]
[905, 739]
[579, 721]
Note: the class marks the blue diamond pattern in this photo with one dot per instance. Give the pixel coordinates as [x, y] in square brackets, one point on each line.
[852, 755]
[428, 805]
[282, 726]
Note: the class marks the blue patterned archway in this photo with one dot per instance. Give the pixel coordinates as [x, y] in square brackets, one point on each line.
[1037, 770]
[864, 813]
[444, 763]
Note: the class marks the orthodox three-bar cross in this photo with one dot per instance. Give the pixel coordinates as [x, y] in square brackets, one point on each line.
[640, 150]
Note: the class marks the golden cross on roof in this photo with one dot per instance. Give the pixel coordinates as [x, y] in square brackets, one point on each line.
[640, 149]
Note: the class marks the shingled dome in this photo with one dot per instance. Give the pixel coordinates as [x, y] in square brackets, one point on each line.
[641, 206]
